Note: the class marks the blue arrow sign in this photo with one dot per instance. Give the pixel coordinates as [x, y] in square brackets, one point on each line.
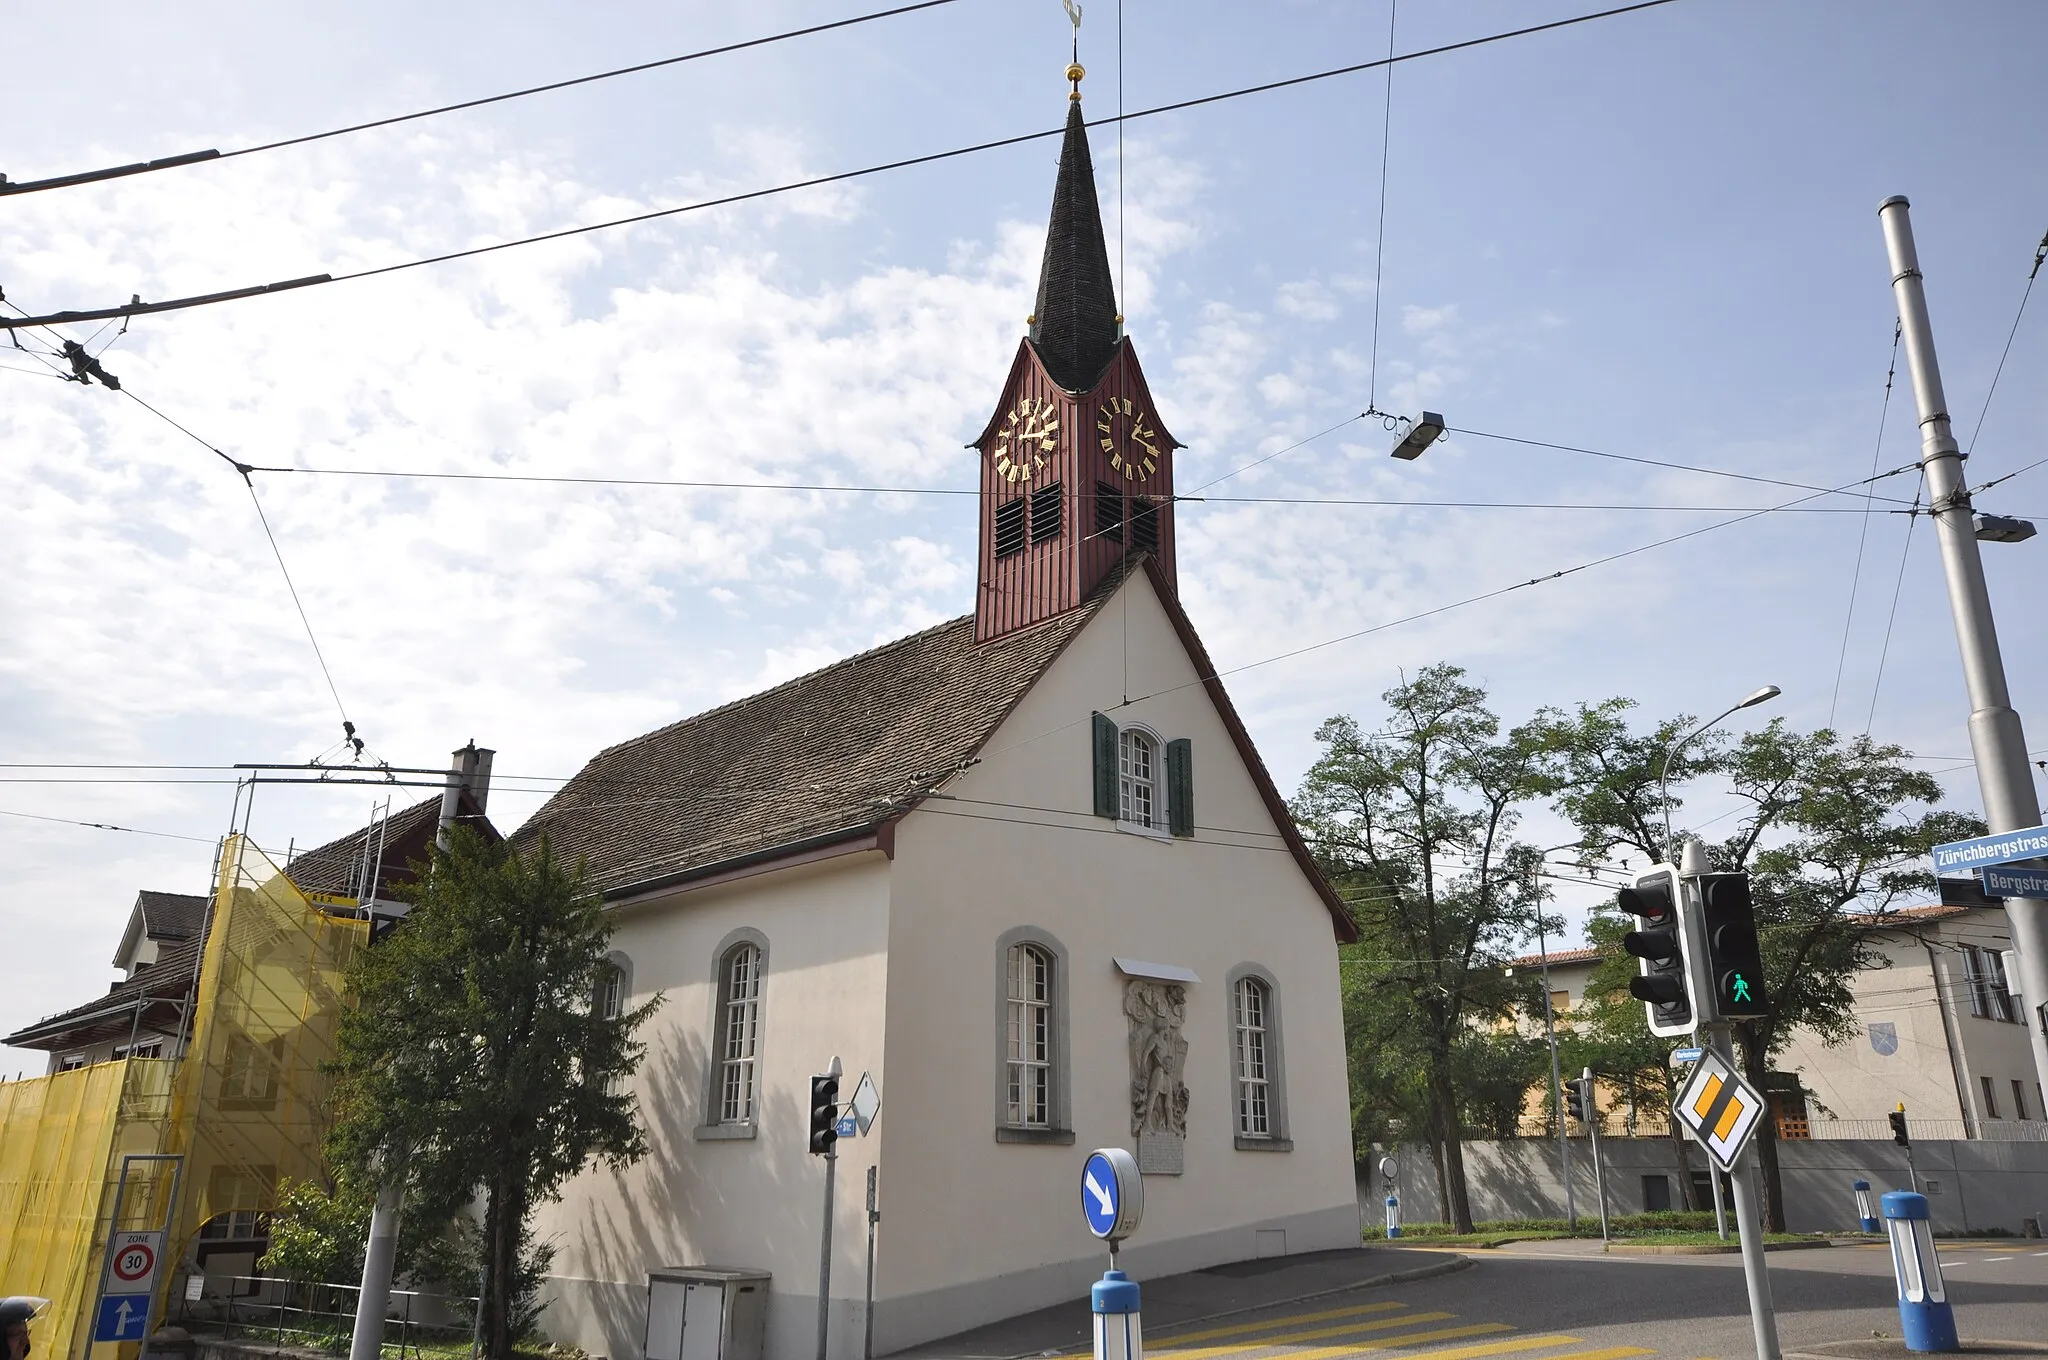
[1099, 1195]
[2014, 882]
[847, 1126]
[122, 1317]
[2002, 848]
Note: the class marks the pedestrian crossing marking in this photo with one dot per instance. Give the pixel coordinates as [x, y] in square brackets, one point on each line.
[1289, 1338]
[1243, 1328]
[1520, 1343]
[1387, 1343]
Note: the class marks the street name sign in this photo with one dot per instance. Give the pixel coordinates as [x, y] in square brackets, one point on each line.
[2014, 881]
[1112, 1194]
[1720, 1108]
[847, 1126]
[1681, 1056]
[2000, 848]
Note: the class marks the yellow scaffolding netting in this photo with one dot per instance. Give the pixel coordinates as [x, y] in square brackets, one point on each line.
[245, 1106]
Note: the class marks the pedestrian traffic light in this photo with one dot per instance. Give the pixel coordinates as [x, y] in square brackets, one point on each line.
[1898, 1118]
[824, 1114]
[1660, 983]
[1735, 966]
[1578, 1100]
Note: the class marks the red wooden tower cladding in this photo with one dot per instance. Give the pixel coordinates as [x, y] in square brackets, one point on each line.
[1076, 468]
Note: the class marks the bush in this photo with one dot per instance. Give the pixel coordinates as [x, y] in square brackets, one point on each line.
[1622, 1225]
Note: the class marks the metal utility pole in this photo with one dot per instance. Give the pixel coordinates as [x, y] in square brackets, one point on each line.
[1996, 739]
[867, 1349]
[1599, 1172]
[1564, 1142]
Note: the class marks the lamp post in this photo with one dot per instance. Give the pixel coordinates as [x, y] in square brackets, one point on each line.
[1767, 693]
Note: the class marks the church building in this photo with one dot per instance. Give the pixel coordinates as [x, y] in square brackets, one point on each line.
[1023, 870]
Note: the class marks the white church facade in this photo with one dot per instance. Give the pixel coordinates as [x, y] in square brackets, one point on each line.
[1024, 869]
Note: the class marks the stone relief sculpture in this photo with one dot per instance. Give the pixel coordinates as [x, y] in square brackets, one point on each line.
[1159, 1095]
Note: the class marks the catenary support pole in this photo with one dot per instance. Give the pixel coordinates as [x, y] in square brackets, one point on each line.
[2004, 781]
[373, 1301]
[1749, 1229]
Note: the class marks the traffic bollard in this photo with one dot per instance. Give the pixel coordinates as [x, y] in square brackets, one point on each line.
[1866, 1215]
[1393, 1216]
[1114, 1302]
[1926, 1320]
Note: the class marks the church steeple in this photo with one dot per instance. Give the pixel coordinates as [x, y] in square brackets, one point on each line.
[1075, 323]
[1076, 467]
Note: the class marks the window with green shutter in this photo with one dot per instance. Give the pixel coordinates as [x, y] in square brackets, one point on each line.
[1105, 767]
[1180, 787]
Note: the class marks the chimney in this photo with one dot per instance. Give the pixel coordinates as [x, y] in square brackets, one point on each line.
[469, 768]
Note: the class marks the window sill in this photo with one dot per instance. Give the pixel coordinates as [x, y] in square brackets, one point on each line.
[719, 1133]
[1245, 1144]
[1150, 833]
[1054, 1137]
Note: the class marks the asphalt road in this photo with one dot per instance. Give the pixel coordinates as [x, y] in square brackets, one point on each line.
[1696, 1307]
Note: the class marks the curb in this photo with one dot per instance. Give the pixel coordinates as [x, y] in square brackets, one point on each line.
[1703, 1249]
[1450, 1267]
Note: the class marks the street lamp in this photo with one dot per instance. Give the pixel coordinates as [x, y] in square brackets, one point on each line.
[1422, 432]
[1764, 695]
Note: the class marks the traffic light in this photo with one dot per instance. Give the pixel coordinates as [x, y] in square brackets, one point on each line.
[1899, 1134]
[824, 1114]
[1660, 983]
[1578, 1100]
[1735, 967]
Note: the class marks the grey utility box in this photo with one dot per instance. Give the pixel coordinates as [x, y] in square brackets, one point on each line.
[705, 1313]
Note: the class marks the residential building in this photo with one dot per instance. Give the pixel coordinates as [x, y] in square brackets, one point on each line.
[1024, 870]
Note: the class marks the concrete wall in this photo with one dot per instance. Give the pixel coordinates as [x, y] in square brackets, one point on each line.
[752, 1202]
[1969, 1185]
[974, 1229]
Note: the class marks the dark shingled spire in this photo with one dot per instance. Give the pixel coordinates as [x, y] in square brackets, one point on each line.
[1074, 326]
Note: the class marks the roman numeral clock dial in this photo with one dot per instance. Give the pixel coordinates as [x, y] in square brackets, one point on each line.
[1129, 438]
[1029, 432]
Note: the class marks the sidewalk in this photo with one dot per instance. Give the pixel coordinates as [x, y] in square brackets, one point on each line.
[1197, 1296]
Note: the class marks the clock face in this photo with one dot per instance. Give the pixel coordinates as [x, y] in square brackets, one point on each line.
[1029, 432]
[1129, 438]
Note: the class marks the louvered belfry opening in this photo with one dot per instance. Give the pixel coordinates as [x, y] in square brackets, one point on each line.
[1077, 467]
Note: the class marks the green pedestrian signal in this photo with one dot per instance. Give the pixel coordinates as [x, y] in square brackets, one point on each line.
[1741, 990]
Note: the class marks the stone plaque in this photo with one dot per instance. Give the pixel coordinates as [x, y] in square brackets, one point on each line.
[1160, 1154]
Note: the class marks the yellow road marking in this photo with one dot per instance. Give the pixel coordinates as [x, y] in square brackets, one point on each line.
[1521, 1343]
[1386, 1343]
[1289, 1338]
[1242, 1328]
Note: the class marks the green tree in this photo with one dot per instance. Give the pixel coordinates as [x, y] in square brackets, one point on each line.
[319, 1228]
[1415, 822]
[478, 1059]
[1835, 833]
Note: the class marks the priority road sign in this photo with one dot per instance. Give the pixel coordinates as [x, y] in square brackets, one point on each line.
[132, 1259]
[2001, 847]
[1720, 1108]
[122, 1317]
[2014, 881]
[867, 1103]
[1112, 1194]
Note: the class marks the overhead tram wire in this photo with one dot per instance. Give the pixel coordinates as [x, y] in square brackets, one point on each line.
[1651, 462]
[1379, 245]
[1863, 531]
[1898, 588]
[203, 157]
[815, 181]
[2040, 256]
[1479, 598]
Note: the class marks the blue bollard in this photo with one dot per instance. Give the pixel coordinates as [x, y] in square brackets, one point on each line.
[1393, 1216]
[1114, 1302]
[1866, 1220]
[1926, 1320]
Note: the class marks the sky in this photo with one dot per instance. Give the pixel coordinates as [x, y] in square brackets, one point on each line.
[1654, 235]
